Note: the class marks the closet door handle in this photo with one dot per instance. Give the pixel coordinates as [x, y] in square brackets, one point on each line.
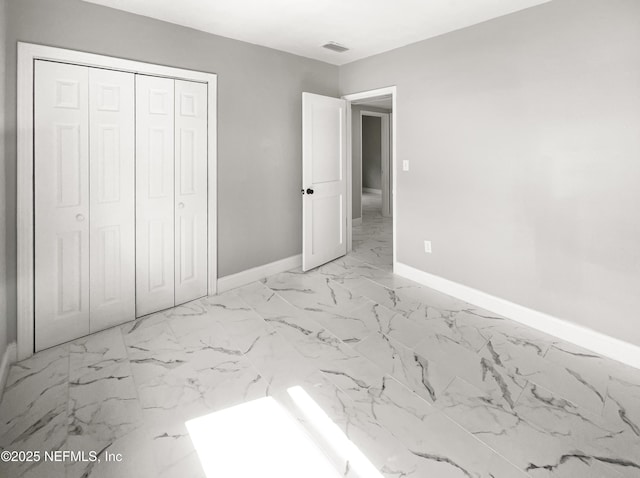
[309, 191]
[79, 217]
[180, 205]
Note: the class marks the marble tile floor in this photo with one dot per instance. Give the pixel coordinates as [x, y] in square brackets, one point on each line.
[372, 240]
[424, 385]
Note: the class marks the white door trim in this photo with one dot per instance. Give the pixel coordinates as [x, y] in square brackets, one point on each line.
[385, 157]
[389, 90]
[27, 54]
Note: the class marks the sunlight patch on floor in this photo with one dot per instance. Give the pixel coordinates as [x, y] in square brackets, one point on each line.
[257, 439]
[333, 434]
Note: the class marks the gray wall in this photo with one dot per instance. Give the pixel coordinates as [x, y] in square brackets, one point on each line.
[523, 136]
[259, 118]
[356, 156]
[371, 152]
[3, 222]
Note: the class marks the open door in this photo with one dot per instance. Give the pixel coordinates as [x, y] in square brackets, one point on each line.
[324, 183]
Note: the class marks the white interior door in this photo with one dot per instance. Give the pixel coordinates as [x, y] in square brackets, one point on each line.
[61, 162]
[324, 198]
[112, 212]
[155, 253]
[190, 191]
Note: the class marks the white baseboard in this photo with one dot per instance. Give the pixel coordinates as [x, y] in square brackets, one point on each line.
[584, 337]
[256, 273]
[357, 221]
[372, 191]
[8, 358]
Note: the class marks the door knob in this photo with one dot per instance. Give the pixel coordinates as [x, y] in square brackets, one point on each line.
[180, 205]
[309, 191]
[79, 217]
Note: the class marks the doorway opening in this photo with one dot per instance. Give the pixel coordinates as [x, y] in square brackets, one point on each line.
[374, 156]
[372, 224]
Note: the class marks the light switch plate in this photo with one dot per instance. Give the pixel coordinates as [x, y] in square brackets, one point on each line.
[427, 247]
[405, 165]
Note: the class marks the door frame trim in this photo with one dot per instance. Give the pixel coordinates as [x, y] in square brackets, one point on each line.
[385, 158]
[388, 90]
[27, 54]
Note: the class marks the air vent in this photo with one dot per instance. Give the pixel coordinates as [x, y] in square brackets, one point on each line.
[333, 46]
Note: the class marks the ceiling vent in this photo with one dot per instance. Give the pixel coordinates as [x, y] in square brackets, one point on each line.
[333, 46]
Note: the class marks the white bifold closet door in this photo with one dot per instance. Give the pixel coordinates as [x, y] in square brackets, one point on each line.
[171, 193]
[61, 160]
[112, 198]
[84, 201]
[191, 191]
[154, 194]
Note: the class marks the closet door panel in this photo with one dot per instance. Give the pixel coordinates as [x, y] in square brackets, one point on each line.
[61, 201]
[112, 211]
[191, 190]
[154, 194]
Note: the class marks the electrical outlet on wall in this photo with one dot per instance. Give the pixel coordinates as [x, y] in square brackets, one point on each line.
[427, 247]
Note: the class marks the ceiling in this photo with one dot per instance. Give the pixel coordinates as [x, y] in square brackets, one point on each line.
[378, 102]
[366, 27]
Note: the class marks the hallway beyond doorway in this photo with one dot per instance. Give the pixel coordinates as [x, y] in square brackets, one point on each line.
[373, 238]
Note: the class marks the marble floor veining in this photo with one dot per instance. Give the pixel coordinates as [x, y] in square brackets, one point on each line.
[415, 384]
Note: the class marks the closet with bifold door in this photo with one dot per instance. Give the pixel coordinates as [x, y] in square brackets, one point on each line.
[171, 192]
[120, 197]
